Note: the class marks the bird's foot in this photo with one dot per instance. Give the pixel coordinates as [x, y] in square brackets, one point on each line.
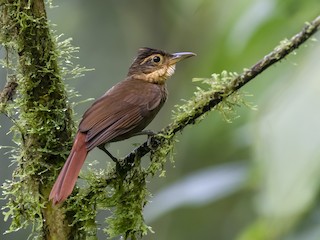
[153, 142]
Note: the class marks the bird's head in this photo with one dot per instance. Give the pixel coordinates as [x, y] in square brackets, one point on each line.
[154, 65]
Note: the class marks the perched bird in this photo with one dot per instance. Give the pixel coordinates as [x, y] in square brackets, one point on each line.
[122, 112]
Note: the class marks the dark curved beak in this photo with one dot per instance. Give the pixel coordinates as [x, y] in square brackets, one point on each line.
[177, 57]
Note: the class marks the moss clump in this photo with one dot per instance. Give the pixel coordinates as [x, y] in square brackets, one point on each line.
[129, 198]
[217, 88]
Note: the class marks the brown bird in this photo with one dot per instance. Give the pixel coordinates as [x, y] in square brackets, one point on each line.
[122, 112]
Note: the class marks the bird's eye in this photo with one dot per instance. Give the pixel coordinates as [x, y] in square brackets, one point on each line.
[156, 59]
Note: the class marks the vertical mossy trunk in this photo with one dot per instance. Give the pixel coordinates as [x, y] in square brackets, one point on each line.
[44, 120]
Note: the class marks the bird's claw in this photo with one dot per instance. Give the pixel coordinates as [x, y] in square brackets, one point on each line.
[153, 142]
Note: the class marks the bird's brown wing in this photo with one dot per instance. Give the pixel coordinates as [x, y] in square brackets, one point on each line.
[125, 109]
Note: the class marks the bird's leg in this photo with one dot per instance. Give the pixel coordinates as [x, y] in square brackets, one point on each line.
[102, 147]
[144, 132]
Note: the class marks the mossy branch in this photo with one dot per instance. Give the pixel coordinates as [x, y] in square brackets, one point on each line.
[238, 81]
[125, 182]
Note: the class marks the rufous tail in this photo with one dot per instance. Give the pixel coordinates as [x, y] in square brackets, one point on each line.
[68, 176]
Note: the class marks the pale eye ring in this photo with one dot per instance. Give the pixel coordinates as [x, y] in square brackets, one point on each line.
[156, 59]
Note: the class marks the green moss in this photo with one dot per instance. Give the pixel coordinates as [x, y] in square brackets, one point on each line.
[122, 193]
[159, 154]
[218, 86]
[128, 199]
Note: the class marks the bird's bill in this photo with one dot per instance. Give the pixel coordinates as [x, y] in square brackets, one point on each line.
[177, 57]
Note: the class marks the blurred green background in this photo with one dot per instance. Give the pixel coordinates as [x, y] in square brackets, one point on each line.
[257, 178]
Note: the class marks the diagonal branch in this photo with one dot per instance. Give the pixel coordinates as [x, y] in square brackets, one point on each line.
[281, 51]
[126, 182]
